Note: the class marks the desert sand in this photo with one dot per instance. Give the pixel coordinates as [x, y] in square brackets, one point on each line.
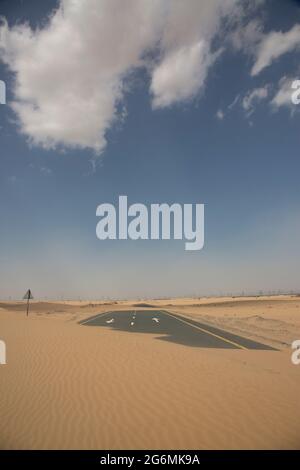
[68, 386]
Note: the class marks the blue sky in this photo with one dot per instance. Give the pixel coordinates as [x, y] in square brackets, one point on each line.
[219, 129]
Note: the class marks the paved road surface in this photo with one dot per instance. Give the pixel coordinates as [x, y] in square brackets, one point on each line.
[171, 327]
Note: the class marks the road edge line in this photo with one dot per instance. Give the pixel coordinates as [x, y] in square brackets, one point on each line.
[205, 331]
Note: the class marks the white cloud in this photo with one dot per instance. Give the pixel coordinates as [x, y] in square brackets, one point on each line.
[186, 49]
[253, 97]
[220, 114]
[247, 36]
[46, 171]
[274, 45]
[234, 102]
[70, 72]
[180, 76]
[283, 97]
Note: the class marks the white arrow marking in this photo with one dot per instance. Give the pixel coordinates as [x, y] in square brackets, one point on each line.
[155, 319]
[110, 321]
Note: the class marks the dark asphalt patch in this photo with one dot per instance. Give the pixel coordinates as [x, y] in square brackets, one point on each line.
[174, 328]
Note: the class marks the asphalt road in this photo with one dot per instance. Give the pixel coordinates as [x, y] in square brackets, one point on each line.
[171, 327]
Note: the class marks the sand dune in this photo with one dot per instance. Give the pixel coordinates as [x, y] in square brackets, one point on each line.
[70, 386]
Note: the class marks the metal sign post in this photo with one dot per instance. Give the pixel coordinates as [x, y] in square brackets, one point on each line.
[28, 296]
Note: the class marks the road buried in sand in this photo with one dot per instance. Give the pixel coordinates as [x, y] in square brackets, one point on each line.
[171, 327]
